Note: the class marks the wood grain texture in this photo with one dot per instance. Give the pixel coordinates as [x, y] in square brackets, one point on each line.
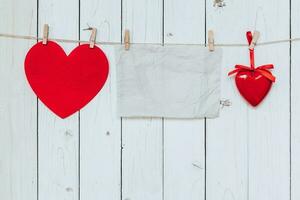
[58, 138]
[142, 138]
[142, 159]
[184, 152]
[184, 21]
[248, 148]
[184, 159]
[18, 123]
[100, 128]
[295, 106]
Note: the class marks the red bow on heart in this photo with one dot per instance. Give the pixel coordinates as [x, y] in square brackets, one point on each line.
[253, 82]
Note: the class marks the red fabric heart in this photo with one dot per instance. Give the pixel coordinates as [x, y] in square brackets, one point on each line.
[253, 86]
[65, 84]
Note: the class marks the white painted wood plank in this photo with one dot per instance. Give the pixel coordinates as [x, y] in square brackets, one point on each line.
[142, 159]
[100, 128]
[18, 121]
[226, 136]
[142, 138]
[295, 107]
[58, 138]
[184, 152]
[184, 163]
[248, 148]
[143, 19]
[184, 21]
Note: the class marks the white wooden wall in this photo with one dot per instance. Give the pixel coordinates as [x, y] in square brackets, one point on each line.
[245, 154]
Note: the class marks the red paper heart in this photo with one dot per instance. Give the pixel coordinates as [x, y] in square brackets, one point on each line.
[253, 86]
[65, 84]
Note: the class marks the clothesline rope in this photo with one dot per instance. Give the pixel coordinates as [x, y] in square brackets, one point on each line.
[118, 43]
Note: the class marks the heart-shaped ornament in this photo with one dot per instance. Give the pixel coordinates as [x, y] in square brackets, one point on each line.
[253, 83]
[65, 83]
[253, 86]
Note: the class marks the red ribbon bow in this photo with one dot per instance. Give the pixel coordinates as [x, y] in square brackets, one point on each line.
[263, 69]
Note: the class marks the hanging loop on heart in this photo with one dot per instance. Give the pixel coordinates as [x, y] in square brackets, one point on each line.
[263, 70]
[251, 51]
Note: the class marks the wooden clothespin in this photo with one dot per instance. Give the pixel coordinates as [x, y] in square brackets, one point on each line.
[211, 40]
[254, 39]
[45, 34]
[127, 40]
[92, 37]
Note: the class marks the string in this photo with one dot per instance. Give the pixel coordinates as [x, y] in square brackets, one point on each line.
[118, 43]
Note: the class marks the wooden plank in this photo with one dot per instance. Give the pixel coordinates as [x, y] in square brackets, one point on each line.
[184, 152]
[18, 121]
[248, 148]
[58, 138]
[142, 138]
[142, 159]
[295, 107]
[226, 137]
[184, 21]
[100, 128]
[184, 163]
